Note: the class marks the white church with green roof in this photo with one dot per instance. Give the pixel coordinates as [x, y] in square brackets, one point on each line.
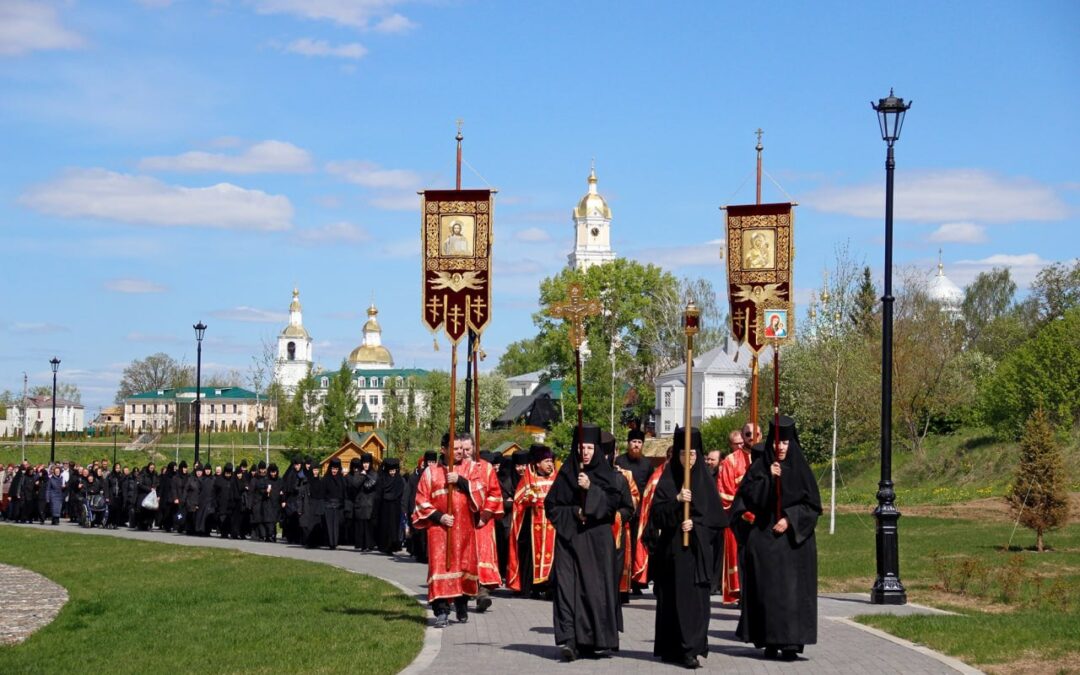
[372, 365]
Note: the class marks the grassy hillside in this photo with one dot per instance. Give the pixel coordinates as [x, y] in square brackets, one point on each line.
[968, 465]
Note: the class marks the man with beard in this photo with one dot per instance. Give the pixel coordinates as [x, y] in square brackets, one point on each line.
[732, 470]
[391, 488]
[683, 575]
[779, 593]
[581, 505]
[448, 519]
[532, 536]
[641, 468]
[418, 538]
[363, 486]
[333, 502]
[510, 474]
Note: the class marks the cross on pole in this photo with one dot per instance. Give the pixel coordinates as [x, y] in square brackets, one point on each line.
[573, 312]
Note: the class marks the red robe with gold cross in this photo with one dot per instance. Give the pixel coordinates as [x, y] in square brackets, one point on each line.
[460, 576]
[732, 470]
[487, 502]
[529, 498]
[640, 570]
[621, 531]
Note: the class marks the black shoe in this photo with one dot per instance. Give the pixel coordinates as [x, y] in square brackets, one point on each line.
[568, 652]
[691, 662]
[462, 615]
[482, 604]
[442, 620]
[770, 652]
[789, 655]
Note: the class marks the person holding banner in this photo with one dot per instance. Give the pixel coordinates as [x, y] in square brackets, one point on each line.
[683, 574]
[448, 518]
[581, 505]
[779, 593]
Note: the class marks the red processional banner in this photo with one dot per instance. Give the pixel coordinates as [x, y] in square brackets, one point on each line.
[761, 253]
[456, 238]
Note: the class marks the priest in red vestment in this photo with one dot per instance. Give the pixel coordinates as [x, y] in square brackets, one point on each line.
[732, 470]
[532, 536]
[452, 563]
[640, 570]
[487, 503]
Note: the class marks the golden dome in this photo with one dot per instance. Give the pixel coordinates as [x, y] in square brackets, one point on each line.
[292, 331]
[592, 204]
[371, 353]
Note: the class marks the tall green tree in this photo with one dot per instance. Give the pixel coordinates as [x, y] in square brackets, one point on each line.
[338, 409]
[520, 357]
[67, 391]
[987, 298]
[300, 416]
[864, 307]
[1042, 373]
[1056, 290]
[1040, 494]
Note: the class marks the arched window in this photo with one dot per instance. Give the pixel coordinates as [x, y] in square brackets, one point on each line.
[362, 383]
[326, 383]
[291, 349]
[400, 381]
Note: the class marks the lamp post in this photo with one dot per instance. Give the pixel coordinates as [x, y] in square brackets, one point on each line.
[114, 431]
[887, 589]
[55, 363]
[200, 330]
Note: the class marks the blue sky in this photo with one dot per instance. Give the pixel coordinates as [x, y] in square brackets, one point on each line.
[171, 161]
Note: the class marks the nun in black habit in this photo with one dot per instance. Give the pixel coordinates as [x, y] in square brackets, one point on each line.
[779, 593]
[333, 488]
[391, 486]
[683, 576]
[581, 506]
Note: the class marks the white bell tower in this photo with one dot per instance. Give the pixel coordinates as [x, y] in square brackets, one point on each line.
[592, 229]
[294, 355]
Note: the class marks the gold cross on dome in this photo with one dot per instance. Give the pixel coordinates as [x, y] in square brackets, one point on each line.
[573, 312]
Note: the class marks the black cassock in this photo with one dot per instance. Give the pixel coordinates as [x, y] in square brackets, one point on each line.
[585, 590]
[683, 577]
[388, 511]
[779, 592]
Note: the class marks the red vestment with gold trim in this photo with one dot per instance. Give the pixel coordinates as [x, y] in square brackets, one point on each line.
[621, 531]
[732, 470]
[487, 501]
[529, 497]
[460, 576]
[640, 569]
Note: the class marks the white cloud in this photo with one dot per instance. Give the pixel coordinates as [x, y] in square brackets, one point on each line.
[37, 328]
[26, 26]
[353, 13]
[264, 157]
[395, 23]
[371, 175]
[134, 286]
[99, 193]
[532, 234]
[959, 233]
[309, 47]
[947, 195]
[250, 314]
[1023, 267]
[676, 257]
[340, 232]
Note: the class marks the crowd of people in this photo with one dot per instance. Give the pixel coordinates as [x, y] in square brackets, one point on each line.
[587, 535]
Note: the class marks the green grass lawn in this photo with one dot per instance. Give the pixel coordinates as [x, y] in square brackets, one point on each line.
[138, 607]
[1014, 604]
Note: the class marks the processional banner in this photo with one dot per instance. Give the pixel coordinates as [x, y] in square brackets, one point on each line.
[456, 238]
[760, 256]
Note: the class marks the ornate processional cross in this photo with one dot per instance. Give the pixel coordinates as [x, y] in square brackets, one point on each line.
[573, 312]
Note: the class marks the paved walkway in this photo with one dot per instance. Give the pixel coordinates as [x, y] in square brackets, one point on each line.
[28, 601]
[515, 635]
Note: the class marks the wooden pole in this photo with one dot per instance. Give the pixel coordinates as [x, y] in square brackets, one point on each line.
[580, 418]
[753, 393]
[687, 420]
[776, 418]
[450, 447]
[476, 395]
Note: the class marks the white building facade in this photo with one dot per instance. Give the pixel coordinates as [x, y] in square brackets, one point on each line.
[720, 380]
[70, 416]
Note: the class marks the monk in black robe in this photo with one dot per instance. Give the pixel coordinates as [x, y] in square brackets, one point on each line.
[779, 593]
[581, 506]
[391, 487]
[683, 575]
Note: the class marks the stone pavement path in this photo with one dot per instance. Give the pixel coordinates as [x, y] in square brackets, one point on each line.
[515, 635]
[28, 601]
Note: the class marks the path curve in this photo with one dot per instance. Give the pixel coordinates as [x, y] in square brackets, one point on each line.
[28, 601]
[515, 635]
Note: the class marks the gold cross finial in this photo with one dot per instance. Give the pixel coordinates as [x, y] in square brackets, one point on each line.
[573, 312]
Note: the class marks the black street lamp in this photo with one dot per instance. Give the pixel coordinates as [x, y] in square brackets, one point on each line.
[55, 363]
[200, 330]
[887, 589]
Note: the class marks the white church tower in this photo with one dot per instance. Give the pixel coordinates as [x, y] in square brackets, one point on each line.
[294, 355]
[592, 229]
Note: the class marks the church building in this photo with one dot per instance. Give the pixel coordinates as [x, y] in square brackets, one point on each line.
[592, 229]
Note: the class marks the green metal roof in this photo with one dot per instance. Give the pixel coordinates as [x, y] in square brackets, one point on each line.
[364, 416]
[207, 393]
